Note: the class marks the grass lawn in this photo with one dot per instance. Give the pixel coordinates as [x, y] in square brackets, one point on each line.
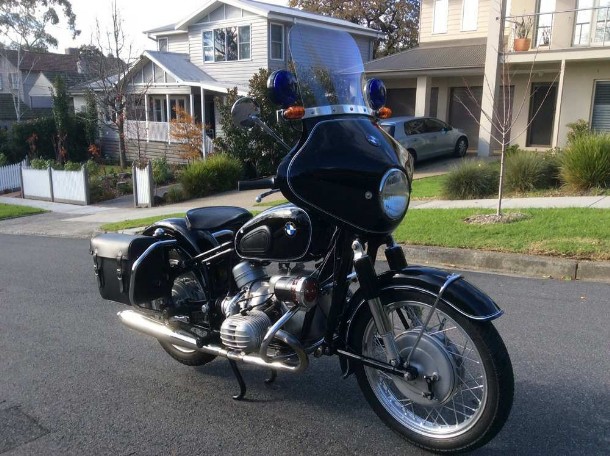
[8, 211]
[580, 233]
[136, 223]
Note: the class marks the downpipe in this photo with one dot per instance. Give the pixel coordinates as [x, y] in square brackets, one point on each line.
[158, 330]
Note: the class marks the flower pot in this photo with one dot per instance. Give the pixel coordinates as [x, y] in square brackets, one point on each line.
[522, 44]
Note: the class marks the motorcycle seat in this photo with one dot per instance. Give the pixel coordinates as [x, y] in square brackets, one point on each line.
[217, 218]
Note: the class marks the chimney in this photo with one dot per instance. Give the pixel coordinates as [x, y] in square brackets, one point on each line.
[71, 51]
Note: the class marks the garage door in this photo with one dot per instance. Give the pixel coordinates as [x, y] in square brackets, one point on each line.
[401, 101]
[464, 104]
[600, 120]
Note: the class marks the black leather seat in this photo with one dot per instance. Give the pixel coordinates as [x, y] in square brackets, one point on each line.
[217, 218]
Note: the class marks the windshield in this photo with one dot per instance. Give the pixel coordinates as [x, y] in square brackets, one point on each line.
[328, 67]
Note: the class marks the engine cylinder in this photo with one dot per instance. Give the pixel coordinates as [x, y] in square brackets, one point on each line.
[245, 332]
[246, 272]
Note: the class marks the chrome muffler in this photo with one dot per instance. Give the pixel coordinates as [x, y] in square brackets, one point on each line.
[158, 330]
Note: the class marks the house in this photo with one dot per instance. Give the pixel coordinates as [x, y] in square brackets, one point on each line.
[469, 72]
[218, 47]
[26, 81]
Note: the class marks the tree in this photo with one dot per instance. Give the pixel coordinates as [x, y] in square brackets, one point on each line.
[61, 115]
[188, 133]
[398, 20]
[25, 23]
[91, 118]
[259, 152]
[109, 62]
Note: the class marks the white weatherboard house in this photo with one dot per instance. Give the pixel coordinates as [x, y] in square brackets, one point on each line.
[467, 49]
[218, 47]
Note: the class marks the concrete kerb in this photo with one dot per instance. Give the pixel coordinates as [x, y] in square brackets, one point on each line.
[507, 263]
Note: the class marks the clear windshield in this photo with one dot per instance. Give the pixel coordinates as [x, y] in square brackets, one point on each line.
[328, 67]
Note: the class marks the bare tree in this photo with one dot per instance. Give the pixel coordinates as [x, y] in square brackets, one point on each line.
[503, 117]
[111, 58]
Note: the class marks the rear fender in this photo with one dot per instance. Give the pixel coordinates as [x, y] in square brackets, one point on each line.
[461, 295]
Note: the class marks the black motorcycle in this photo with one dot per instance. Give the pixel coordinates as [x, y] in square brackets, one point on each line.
[419, 340]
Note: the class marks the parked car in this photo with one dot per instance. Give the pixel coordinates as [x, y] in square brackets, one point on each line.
[426, 137]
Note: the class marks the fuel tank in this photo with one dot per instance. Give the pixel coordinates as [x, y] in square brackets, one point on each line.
[337, 170]
[283, 233]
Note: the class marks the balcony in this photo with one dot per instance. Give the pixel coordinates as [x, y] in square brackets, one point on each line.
[584, 28]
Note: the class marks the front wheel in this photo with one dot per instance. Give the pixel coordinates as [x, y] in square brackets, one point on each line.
[463, 393]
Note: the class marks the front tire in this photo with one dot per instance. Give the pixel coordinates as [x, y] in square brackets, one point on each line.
[474, 390]
[461, 147]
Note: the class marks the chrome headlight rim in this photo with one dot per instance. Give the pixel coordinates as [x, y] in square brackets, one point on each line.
[398, 214]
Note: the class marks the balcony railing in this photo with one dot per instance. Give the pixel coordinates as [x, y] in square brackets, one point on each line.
[140, 130]
[584, 27]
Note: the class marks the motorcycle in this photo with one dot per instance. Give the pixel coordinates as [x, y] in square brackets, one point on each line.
[420, 341]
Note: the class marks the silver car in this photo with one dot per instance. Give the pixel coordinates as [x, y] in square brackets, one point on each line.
[426, 137]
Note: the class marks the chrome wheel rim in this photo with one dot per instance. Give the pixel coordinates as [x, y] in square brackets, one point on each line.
[462, 147]
[457, 414]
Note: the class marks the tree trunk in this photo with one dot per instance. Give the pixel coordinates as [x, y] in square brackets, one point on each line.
[500, 186]
[122, 146]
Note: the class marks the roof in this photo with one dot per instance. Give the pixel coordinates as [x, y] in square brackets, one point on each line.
[184, 71]
[453, 55]
[42, 61]
[268, 10]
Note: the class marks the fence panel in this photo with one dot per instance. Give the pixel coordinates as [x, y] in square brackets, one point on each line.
[143, 186]
[70, 186]
[10, 176]
[37, 184]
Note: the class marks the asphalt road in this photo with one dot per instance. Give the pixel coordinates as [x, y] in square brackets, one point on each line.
[75, 381]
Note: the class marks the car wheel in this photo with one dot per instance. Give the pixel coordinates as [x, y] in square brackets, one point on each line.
[461, 147]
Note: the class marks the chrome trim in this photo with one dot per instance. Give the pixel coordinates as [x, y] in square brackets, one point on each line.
[158, 330]
[450, 279]
[136, 264]
[337, 109]
[385, 177]
[275, 328]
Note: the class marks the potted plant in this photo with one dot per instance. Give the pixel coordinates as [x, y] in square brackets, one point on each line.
[523, 28]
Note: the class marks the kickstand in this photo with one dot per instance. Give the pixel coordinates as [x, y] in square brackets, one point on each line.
[271, 377]
[240, 380]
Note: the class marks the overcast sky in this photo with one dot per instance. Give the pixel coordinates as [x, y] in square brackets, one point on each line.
[138, 15]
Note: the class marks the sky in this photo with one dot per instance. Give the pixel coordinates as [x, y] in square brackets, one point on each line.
[138, 15]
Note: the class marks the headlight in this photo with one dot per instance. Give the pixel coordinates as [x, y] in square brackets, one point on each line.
[394, 193]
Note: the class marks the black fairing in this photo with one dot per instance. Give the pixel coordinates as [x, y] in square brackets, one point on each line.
[282, 233]
[337, 169]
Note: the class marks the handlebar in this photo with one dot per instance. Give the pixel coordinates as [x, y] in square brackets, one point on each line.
[256, 184]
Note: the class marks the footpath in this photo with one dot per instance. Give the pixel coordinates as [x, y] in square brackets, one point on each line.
[66, 220]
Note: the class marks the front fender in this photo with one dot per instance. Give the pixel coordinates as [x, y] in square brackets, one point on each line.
[461, 295]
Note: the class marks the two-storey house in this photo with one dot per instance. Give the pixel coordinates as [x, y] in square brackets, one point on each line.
[26, 81]
[218, 47]
[468, 71]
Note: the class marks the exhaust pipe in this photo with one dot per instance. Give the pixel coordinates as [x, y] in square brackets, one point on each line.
[158, 330]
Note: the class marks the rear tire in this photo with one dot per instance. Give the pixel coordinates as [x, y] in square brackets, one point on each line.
[475, 386]
[186, 356]
[461, 147]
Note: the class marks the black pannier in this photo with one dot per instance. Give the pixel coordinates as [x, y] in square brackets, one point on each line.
[114, 256]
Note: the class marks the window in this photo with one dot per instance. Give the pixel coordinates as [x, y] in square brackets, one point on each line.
[13, 81]
[414, 127]
[162, 44]
[226, 44]
[158, 107]
[277, 42]
[441, 10]
[470, 15]
[434, 126]
[600, 117]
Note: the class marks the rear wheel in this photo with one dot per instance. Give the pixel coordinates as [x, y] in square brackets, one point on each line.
[461, 147]
[468, 393]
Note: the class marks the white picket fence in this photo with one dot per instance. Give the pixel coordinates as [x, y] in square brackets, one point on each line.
[58, 186]
[143, 186]
[10, 176]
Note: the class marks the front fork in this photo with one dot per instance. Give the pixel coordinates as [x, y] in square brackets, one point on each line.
[367, 277]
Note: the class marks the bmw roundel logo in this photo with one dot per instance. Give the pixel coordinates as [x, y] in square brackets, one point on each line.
[290, 229]
[373, 141]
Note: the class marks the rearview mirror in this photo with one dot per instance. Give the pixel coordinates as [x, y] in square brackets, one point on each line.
[244, 111]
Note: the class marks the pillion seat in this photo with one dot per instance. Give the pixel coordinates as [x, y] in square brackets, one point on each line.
[217, 218]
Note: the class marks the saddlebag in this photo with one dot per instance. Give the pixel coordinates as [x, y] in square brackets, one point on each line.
[130, 269]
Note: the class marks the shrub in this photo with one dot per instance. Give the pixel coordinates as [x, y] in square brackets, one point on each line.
[527, 170]
[175, 195]
[161, 171]
[72, 166]
[217, 173]
[101, 189]
[3, 160]
[585, 164]
[577, 129]
[471, 179]
[41, 163]
[93, 168]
